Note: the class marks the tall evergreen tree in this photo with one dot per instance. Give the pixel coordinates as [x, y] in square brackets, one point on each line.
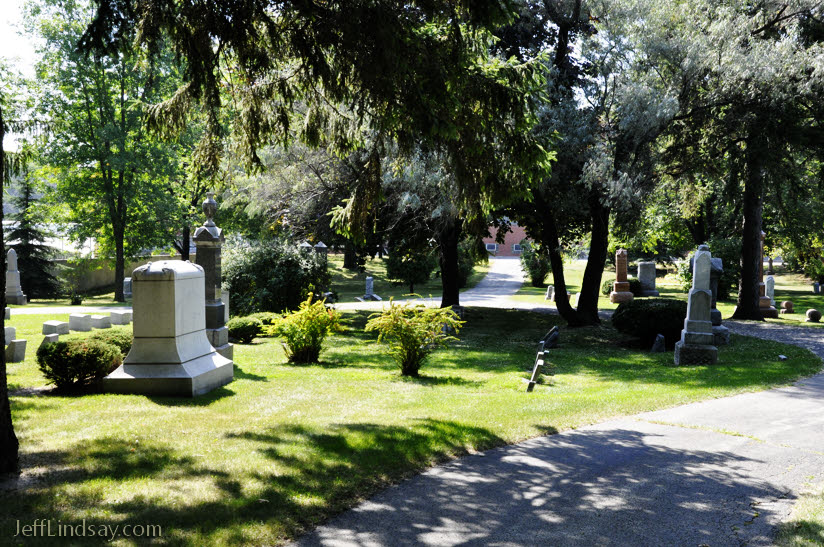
[28, 238]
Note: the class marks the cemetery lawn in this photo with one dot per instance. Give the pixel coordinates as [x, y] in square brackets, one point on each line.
[806, 524]
[284, 447]
[348, 284]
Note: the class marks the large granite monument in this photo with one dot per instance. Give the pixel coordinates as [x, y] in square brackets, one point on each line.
[14, 293]
[646, 275]
[620, 289]
[696, 344]
[171, 354]
[209, 241]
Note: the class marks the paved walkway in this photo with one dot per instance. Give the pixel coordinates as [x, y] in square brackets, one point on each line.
[720, 472]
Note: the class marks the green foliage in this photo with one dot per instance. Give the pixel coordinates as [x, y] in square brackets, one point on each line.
[77, 363]
[536, 263]
[729, 251]
[467, 258]
[606, 286]
[244, 329]
[120, 338]
[33, 256]
[270, 276]
[266, 318]
[634, 286]
[413, 331]
[410, 266]
[645, 319]
[304, 330]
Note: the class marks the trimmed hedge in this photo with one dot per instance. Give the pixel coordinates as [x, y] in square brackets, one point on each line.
[121, 339]
[77, 363]
[244, 329]
[634, 286]
[647, 318]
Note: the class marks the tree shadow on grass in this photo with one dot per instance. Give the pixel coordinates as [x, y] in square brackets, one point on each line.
[432, 381]
[239, 373]
[315, 472]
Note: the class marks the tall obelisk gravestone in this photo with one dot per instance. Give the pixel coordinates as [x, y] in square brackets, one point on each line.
[696, 344]
[14, 293]
[209, 240]
[620, 289]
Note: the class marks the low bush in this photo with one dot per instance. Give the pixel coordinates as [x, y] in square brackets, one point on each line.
[77, 363]
[606, 286]
[120, 338]
[635, 286]
[244, 329]
[413, 331]
[535, 263]
[304, 330]
[266, 318]
[645, 319]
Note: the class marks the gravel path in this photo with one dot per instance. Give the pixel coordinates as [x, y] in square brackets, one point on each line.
[811, 338]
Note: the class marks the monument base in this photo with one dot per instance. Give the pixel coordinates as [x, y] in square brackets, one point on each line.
[770, 313]
[620, 297]
[650, 293]
[720, 335]
[17, 299]
[190, 379]
[695, 354]
[715, 317]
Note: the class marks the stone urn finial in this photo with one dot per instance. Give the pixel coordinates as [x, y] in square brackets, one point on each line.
[210, 208]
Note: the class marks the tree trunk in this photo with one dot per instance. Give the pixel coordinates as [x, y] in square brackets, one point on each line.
[448, 256]
[350, 256]
[550, 233]
[119, 263]
[185, 242]
[748, 292]
[9, 461]
[599, 242]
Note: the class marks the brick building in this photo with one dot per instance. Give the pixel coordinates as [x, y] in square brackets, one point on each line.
[512, 241]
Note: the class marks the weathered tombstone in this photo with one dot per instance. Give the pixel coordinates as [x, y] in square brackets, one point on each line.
[816, 288]
[16, 351]
[81, 322]
[370, 291]
[50, 339]
[537, 368]
[720, 333]
[620, 289]
[305, 247]
[170, 354]
[813, 316]
[769, 287]
[101, 321]
[550, 293]
[8, 313]
[120, 317]
[787, 307]
[577, 299]
[646, 276]
[550, 341]
[321, 250]
[660, 344]
[209, 242]
[55, 327]
[14, 293]
[696, 344]
[766, 307]
[127, 287]
[10, 333]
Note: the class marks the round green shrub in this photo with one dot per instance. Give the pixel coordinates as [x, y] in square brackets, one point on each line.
[304, 330]
[272, 276]
[635, 286]
[535, 263]
[606, 286]
[244, 329]
[266, 318]
[120, 338]
[647, 318]
[77, 363]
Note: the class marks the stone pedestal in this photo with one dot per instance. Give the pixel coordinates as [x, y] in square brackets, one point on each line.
[620, 289]
[171, 354]
[646, 276]
[369, 295]
[696, 344]
[14, 293]
[209, 241]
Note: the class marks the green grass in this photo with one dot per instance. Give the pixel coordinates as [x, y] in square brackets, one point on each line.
[103, 300]
[806, 524]
[349, 285]
[284, 447]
